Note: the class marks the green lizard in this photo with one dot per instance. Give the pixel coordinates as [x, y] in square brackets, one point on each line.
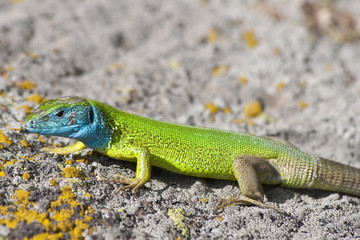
[196, 151]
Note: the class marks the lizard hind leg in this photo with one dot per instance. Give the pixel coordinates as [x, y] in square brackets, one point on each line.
[249, 171]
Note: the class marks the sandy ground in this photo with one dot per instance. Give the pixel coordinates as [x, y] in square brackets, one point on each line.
[177, 61]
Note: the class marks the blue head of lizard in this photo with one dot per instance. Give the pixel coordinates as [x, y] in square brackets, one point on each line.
[72, 117]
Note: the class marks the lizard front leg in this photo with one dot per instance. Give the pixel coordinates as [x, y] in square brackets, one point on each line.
[249, 172]
[143, 167]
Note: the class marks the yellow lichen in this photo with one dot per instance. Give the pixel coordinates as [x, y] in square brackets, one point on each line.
[53, 182]
[69, 161]
[21, 196]
[11, 162]
[70, 172]
[26, 176]
[71, 217]
[220, 70]
[243, 80]
[32, 55]
[24, 143]
[27, 108]
[302, 84]
[55, 51]
[280, 86]
[212, 107]
[36, 98]
[26, 85]
[4, 139]
[16, 2]
[276, 51]
[253, 109]
[227, 110]
[114, 67]
[212, 36]
[174, 64]
[303, 104]
[84, 160]
[178, 217]
[63, 215]
[9, 68]
[250, 39]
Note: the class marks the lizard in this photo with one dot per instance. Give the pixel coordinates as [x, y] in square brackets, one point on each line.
[190, 150]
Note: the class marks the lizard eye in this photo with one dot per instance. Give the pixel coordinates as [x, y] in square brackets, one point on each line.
[91, 115]
[60, 114]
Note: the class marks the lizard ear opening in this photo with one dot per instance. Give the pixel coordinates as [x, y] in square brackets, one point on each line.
[91, 115]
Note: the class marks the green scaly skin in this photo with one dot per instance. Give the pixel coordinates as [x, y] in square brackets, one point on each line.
[189, 150]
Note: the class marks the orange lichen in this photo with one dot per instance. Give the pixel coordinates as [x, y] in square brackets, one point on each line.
[219, 218]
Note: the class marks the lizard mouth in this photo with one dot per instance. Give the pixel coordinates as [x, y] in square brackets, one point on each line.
[49, 130]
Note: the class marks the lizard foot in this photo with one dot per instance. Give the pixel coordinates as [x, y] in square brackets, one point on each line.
[65, 150]
[230, 200]
[134, 183]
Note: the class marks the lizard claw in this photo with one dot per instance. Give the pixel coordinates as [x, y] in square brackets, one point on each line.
[230, 200]
[134, 183]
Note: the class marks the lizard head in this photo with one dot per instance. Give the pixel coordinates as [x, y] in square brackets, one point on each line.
[71, 117]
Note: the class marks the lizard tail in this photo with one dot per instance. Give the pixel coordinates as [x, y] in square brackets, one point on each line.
[334, 176]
